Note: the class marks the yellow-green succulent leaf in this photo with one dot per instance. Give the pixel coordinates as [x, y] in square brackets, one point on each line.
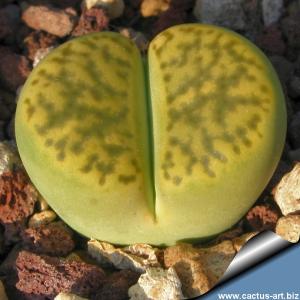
[219, 126]
[180, 155]
[83, 137]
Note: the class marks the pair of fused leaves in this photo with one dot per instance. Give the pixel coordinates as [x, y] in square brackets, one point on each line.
[131, 152]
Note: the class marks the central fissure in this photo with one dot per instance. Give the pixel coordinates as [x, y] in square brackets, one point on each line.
[149, 118]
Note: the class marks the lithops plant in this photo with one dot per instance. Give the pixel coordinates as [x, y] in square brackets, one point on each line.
[176, 146]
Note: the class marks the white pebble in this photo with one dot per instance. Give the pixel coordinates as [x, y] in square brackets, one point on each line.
[42, 218]
[114, 8]
[68, 296]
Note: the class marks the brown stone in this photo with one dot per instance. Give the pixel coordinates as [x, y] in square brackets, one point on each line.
[17, 197]
[262, 217]
[91, 20]
[41, 275]
[53, 239]
[38, 40]
[59, 22]
[289, 228]
[190, 268]
[150, 8]
[199, 269]
[287, 192]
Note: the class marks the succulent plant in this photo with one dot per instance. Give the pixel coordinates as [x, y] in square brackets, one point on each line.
[177, 146]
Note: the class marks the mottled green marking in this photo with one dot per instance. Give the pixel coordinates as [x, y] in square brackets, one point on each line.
[204, 72]
[93, 107]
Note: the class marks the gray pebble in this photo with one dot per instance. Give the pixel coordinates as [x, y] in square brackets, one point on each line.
[272, 11]
[227, 13]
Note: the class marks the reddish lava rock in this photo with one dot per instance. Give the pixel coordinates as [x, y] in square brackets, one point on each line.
[14, 69]
[43, 277]
[17, 199]
[53, 239]
[117, 285]
[262, 217]
[270, 40]
[38, 40]
[91, 20]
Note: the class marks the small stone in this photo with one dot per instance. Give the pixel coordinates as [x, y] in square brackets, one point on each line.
[9, 20]
[17, 195]
[294, 87]
[157, 283]
[68, 296]
[262, 217]
[2, 292]
[226, 13]
[38, 41]
[189, 266]
[151, 8]
[230, 234]
[14, 69]
[271, 40]
[53, 239]
[199, 269]
[216, 259]
[91, 20]
[74, 256]
[287, 192]
[56, 21]
[272, 11]
[116, 286]
[18, 198]
[137, 37]
[114, 8]
[9, 158]
[54, 275]
[135, 257]
[289, 228]
[42, 204]
[42, 218]
[240, 241]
